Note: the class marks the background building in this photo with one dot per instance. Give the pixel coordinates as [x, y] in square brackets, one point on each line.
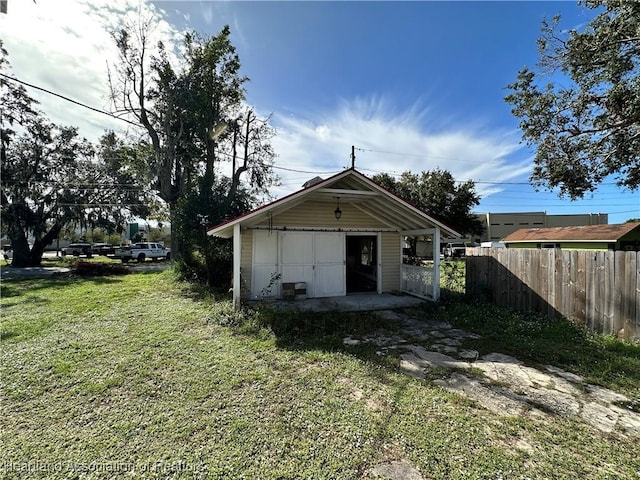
[622, 236]
[499, 225]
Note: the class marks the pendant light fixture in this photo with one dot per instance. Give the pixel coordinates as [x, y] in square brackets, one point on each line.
[337, 212]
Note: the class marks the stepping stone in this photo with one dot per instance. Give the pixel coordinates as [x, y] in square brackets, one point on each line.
[438, 325]
[412, 365]
[468, 354]
[457, 333]
[599, 416]
[452, 342]
[444, 348]
[501, 358]
[571, 377]
[436, 359]
[495, 399]
[389, 315]
[628, 421]
[605, 395]
[396, 470]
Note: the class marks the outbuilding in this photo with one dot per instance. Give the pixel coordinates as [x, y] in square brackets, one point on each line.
[338, 236]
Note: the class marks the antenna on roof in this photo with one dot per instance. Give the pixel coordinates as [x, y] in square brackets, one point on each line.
[353, 156]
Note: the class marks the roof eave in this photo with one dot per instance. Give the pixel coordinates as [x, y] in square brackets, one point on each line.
[536, 240]
[214, 231]
[225, 230]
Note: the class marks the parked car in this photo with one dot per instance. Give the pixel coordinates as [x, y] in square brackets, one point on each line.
[457, 250]
[7, 252]
[142, 251]
[77, 249]
[103, 249]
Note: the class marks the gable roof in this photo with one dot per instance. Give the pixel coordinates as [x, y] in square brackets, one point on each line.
[350, 185]
[584, 233]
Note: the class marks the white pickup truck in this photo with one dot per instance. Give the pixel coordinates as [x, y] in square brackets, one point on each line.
[142, 251]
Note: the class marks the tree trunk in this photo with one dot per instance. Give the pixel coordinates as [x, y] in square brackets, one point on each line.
[22, 255]
[176, 244]
[35, 256]
[20, 245]
[236, 173]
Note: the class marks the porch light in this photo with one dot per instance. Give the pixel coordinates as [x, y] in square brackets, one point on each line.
[337, 212]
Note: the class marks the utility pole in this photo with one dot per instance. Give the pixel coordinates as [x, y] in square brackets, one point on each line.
[353, 156]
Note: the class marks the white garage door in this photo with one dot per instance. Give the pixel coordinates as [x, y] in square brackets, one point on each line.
[317, 258]
[296, 258]
[265, 264]
[329, 265]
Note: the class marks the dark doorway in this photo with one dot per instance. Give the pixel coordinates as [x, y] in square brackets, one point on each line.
[362, 263]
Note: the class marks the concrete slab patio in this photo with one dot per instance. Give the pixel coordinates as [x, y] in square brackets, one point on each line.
[349, 303]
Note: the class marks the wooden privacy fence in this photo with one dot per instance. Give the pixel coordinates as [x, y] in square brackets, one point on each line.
[597, 289]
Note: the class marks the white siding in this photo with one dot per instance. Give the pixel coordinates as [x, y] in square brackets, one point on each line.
[391, 261]
[245, 262]
[320, 214]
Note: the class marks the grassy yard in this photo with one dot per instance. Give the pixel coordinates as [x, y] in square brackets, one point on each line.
[139, 376]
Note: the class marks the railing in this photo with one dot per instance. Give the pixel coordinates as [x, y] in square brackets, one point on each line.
[418, 281]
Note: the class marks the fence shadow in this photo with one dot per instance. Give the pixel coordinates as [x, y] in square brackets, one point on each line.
[594, 289]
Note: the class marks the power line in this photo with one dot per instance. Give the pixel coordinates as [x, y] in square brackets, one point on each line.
[86, 205]
[624, 211]
[523, 205]
[78, 186]
[305, 171]
[385, 152]
[94, 109]
[442, 158]
[68, 99]
[410, 154]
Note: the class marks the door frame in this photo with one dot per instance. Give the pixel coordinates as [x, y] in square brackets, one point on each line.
[378, 236]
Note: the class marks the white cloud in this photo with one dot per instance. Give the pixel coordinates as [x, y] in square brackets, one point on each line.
[207, 13]
[392, 140]
[66, 48]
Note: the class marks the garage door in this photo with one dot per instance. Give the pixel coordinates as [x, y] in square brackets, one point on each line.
[317, 258]
[296, 258]
[329, 265]
[265, 264]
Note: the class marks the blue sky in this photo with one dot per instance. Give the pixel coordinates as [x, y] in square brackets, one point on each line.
[423, 81]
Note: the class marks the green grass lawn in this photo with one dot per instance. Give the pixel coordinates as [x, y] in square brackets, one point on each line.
[138, 376]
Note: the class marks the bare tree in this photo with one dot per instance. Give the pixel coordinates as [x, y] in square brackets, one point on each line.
[192, 110]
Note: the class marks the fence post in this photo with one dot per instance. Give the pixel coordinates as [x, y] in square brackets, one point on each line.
[629, 294]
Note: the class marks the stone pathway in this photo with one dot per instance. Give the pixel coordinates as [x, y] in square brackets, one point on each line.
[507, 386]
